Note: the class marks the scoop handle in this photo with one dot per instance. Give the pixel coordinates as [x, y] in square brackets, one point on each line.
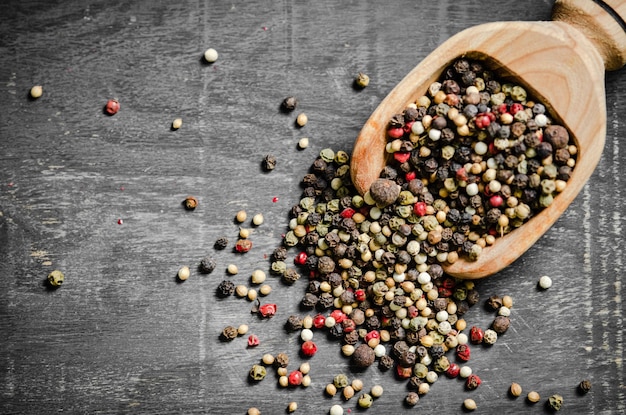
[603, 22]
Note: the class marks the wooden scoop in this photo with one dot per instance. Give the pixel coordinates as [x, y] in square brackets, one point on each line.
[561, 63]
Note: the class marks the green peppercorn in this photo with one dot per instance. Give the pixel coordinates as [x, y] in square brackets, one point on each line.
[362, 80]
[56, 278]
[340, 381]
[365, 400]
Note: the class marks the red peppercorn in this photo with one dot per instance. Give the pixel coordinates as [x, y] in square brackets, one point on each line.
[348, 325]
[319, 321]
[267, 310]
[401, 156]
[301, 258]
[419, 208]
[412, 311]
[515, 108]
[496, 201]
[476, 335]
[253, 340]
[347, 213]
[410, 176]
[112, 107]
[444, 292]
[461, 174]
[482, 121]
[449, 283]
[295, 378]
[243, 245]
[338, 315]
[472, 382]
[453, 371]
[407, 126]
[374, 334]
[463, 352]
[404, 372]
[503, 109]
[360, 295]
[309, 348]
[395, 132]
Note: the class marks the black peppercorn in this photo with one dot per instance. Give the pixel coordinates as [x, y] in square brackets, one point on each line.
[351, 337]
[584, 386]
[290, 276]
[500, 324]
[221, 243]
[310, 300]
[225, 288]
[269, 162]
[384, 192]
[494, 302]
[412, 398]
[229, 333]
[386, 362]
[289, 104]
[207, 265]
[293, 323]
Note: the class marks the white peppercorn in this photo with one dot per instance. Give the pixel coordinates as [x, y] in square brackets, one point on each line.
[210, 55]
[302, 119]
[336, 410]
[177, 123]
[469, 404]
[36, 91]
[377, 391]
[303, 143]
[183, 273]
[257, 219]
[545, 282]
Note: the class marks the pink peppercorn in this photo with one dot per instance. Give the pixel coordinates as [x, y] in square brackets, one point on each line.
[309, 348]
[348, 325]
[482, 121]
[476, 335]
[319, 321]
[410, 176]
[243, 245]
[463, 352]
[374, 334]
[461, 174]
[267, 310]
[347, 213]
[412, 311]
[253, 340]
[453, 371]
[301, 258]
[515, 108]
[360, 295]
[395, 132]
[408, 126]
[112, 107]
[472, 382]
[444, 292]
[401, 156]
[338, 315]
[419, 208]
[295, 378]
[496, 201]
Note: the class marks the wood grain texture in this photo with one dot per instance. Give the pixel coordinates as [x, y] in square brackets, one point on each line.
[122, 336]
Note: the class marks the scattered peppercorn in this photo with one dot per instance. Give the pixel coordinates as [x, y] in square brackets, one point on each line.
[584, 386]
[210, 55]
[469, 404]
[303, 143]
[207, 265]
[362, 80]
[545, 282]
[183, 273]
[229, 333]
[292, 407]
[363, 356]
[258, 372]
[243, 245]
[241, 216]
[177, 123]
[190, 202]
[221, 243]
[555, 402]
[269, 162]
[36, 91]
[225, 288]
[533, 397]
[302, 119]
[56, 278]
[289, 104]
[112, 107]
[515, 390]
[412, 398]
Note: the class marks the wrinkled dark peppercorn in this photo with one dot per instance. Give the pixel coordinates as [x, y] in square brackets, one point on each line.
[281, 360]
[221, 243]
[229, 333]
[500, 324]
[294, 323]
[384, 192]
[289, 104]
[584, 386]
[269, 162]
[207, 265]
[225, 288]
[290, 276]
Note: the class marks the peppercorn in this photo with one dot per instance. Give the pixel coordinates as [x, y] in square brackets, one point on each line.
[243, 245]
[412, 398]
[190, 202]
[384, 192]
[533, 397]
[183, 273]
[225, 288]
[309, 348]
[340, 381]
[269, 162]
[469, 404]
[210, 55]
[545, 282]
[221, 243]
[584, 386]
[36, 91]
[301, 120]
[281, 360]
[289, 104]
[177, 123]
[365, 400]
[56, 278]
[472, 382]
[362, 80]
[501, 324]
[515, 390]
[258, 372]
[229, 333]
[254, 411]
[207, 265]
[112, 107]
[555, 402]
[363, 356]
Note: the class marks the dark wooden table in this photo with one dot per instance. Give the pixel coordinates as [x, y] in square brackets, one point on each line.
[121, 335]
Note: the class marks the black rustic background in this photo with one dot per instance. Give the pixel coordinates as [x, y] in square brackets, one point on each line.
[121, 335]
